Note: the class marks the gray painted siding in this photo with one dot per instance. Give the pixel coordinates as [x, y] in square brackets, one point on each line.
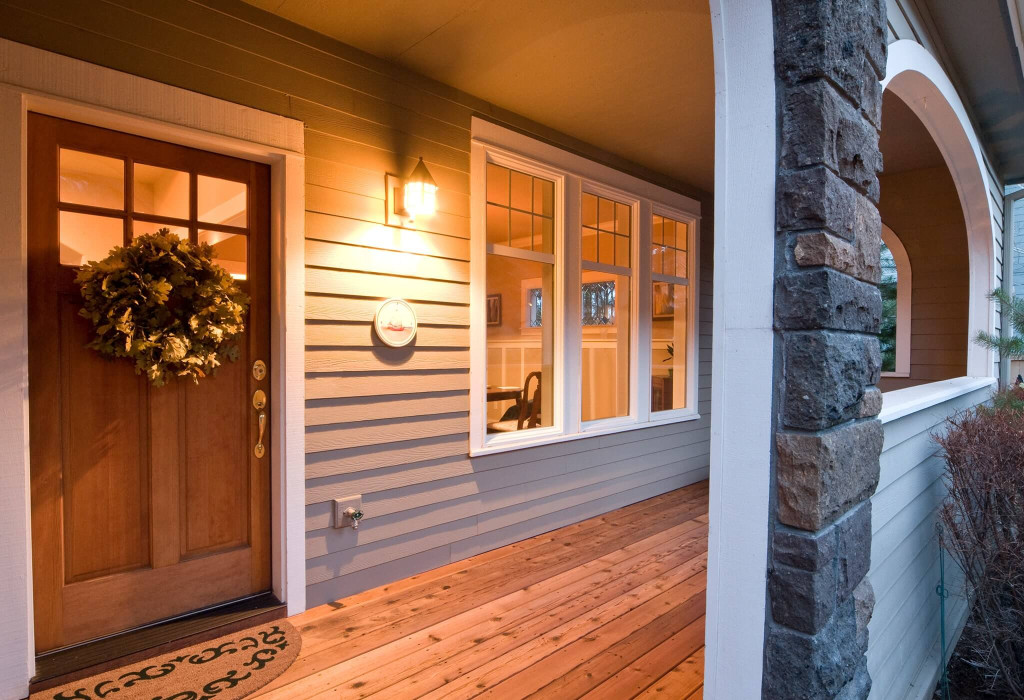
[904, 645]
[1018, 242]
[388, 425]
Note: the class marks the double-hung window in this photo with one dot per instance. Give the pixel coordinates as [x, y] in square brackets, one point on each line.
[583, 296]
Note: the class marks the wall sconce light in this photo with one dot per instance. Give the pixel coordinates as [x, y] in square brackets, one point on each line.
[414, 196]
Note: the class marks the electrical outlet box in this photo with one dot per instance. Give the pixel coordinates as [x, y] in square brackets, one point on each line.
[343, 504]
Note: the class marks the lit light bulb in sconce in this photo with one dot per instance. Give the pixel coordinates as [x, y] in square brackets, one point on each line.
[419, 192]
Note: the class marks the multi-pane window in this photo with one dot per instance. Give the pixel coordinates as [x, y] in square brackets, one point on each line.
[584, 309]
[520, 279]
[669, 312]
[520, 210]
[105, 202]
[605, 282]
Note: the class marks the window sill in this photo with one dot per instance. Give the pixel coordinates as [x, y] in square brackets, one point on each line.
[899, 375]
[547, 438]
[903, 402]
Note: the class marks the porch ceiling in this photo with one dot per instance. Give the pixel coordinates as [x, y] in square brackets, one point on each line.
[983, 41]
[904, 141]
[636, 79]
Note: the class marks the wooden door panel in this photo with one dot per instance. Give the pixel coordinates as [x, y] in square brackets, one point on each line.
[106, 506]
[216, 471]
[98, 607]
[147, 502]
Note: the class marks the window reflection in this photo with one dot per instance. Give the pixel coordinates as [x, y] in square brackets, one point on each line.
[85, 238]
[520, 335]
[94, 180]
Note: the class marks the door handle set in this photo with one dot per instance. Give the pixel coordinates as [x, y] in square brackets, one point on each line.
[259, 402]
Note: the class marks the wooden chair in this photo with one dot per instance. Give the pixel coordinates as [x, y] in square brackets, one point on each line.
[527, 412]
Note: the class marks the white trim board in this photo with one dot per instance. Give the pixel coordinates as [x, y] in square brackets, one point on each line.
[40, 81]
[742, 372]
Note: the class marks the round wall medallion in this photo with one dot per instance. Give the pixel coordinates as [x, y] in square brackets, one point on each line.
[395, 322]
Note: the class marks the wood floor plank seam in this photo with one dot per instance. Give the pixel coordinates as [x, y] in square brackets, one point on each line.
[568, 631]
[566, 668]
[500, 668]
[561, 600]
[680, 682]
[539, 567]
[609, 608]
[464, 567]
[632, 511]
[633, 678]
[656, 559]
[477, 653]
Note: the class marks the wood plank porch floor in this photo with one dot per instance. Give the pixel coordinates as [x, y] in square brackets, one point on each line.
[612, 607]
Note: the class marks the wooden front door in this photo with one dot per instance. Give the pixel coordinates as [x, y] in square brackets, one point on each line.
[147, 502]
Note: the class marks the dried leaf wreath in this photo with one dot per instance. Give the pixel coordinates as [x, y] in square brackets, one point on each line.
[163, 303]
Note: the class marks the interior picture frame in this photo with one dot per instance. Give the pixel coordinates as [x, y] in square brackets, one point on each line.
[661, 301]
[494, 309]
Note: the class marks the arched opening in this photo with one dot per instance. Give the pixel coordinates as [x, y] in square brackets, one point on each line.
[919, 200]
[935, 195]
[897, 295]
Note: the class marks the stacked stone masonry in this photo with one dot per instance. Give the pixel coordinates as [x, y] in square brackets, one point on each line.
[829, 59]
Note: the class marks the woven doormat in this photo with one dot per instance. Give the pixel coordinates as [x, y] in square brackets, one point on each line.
[226, 668]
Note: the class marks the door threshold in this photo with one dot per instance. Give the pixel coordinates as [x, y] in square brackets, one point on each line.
[64, 665]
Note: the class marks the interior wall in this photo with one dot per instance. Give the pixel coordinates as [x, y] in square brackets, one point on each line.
[391, 425]
[923, 208]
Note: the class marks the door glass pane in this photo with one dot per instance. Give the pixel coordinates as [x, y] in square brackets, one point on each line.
[229, 251]
[86, 178]
[520, 334]
[221, 201]
[84, 237]
[668, 345]
[161, 191]
[520, 209]
[142, 227]
[605, 353]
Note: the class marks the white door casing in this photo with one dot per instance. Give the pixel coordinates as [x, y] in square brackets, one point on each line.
[35, 80]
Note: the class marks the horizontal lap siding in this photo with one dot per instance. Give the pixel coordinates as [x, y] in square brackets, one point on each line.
[903, 647]
[390, 424]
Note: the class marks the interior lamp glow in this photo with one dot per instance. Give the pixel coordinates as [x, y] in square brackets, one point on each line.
[419, 191]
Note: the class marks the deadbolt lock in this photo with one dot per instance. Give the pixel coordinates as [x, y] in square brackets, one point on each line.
[259, 370]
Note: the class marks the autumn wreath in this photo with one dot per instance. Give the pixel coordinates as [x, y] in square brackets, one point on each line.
[163, 303]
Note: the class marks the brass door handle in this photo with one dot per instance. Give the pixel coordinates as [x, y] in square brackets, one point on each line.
[259, 402]
[260, 450]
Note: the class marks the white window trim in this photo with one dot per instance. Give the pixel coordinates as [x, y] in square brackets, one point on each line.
[904, 287]
[572, 175]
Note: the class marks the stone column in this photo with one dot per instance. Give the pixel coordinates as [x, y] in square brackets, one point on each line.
[829, 58]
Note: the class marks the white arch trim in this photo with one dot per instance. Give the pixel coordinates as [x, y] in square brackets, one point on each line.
[904, 290]
[742, 373]
[916, 77]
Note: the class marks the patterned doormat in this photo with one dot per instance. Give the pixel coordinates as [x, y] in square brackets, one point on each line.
[226, 668]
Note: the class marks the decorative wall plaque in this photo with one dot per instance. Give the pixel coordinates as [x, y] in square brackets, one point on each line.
[395, 323]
